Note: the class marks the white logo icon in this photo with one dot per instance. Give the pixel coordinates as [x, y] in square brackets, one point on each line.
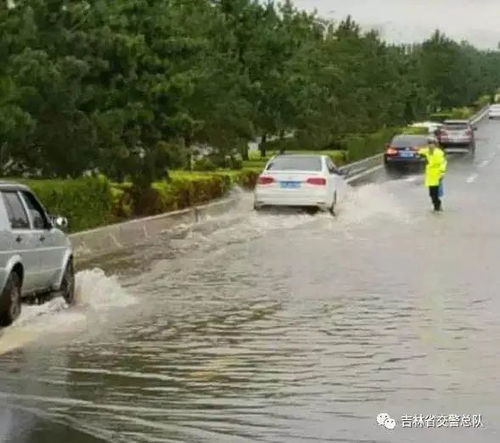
[385, 420]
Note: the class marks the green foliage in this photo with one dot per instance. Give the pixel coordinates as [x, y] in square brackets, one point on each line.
[455, 113]
[412, 130]
[204, 164]
[185, 189]
[483, 101]
[362, 146]
[86, 202]
[129, 87]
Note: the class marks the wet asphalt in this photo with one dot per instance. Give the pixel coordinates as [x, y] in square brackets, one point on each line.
[280, 326]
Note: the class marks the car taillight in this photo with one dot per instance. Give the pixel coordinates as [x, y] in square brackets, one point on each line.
[391, 151]
[319, 181]
[265, 180]
[468, 132]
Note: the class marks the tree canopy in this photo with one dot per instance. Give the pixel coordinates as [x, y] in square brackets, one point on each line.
[129, 87]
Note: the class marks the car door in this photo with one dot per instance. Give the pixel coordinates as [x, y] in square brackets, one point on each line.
[22, 240]
[50, 242]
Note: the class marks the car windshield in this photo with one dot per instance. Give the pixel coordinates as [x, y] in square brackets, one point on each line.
[295, 163]
[405, 141]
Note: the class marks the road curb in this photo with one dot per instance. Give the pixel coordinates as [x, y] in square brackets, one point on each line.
[113, 238]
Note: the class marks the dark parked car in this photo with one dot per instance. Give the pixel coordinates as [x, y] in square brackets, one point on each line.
[457, 136]
[401, 153]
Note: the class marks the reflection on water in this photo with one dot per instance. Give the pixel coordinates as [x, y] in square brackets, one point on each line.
[279, 327]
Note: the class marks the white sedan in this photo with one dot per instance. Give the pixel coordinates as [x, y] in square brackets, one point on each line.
[300, 181]
[494, 112]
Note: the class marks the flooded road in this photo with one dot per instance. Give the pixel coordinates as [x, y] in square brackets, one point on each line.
[278, 327]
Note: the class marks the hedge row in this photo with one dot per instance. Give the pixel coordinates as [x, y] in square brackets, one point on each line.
[347, 149]
[256, 162]
[92, 202]
[86, 202]
[362, 146]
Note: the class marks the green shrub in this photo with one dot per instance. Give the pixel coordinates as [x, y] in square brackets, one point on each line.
[483, 101]
[123, 202]
[461, 113]
[362, 146]
[204, 164]
[246, 178]
[286, 144]
[450, 114]
[86, 202]
[255, 164]
[185, 189]
[235, 162]
[411, 130]
[340, 158]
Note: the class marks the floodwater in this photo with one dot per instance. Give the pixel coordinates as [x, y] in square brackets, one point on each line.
[278, 327]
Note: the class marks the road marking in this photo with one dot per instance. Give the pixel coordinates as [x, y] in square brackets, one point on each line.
[411, 179]
[472, 178]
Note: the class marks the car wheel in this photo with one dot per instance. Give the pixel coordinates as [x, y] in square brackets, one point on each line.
[68, 284]
[10, 301]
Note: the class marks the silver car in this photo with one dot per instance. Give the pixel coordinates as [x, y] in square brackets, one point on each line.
[36, 257]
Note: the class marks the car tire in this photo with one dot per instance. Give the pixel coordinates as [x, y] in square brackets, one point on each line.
[68, 284]
[10, 300]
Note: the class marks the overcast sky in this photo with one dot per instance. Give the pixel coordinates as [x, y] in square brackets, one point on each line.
[477, 21]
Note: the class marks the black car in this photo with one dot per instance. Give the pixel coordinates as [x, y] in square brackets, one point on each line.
[401, 152]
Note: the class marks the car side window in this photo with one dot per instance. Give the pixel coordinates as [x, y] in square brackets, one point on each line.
[18, 217]
[37, 213]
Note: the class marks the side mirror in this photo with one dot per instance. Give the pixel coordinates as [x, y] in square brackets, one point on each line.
[474, 128]
[59, 222]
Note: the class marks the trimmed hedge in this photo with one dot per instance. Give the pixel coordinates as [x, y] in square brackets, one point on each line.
[257, 163]
[455, 113]
[86, 202]
[185, 189]
[410, 130]
[92, 202]
[362, 146]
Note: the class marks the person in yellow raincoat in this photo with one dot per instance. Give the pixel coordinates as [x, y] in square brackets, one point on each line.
[435, 170]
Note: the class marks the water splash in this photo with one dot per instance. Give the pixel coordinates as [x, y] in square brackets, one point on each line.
[94, 292]
[371, 201]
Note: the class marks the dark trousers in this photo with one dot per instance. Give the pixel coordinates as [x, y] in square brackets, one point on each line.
[436, 201]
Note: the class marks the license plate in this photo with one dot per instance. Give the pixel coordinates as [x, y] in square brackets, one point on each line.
[290, 185]
[406, 154]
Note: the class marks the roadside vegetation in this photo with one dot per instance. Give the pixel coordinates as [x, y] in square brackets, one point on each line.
[162, 97]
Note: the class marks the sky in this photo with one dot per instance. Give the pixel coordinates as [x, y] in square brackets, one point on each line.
[477, 21]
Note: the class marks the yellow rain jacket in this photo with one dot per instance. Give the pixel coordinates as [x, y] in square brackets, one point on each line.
[435, 167]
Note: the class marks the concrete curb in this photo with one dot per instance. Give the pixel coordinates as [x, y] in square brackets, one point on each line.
[112, 238]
